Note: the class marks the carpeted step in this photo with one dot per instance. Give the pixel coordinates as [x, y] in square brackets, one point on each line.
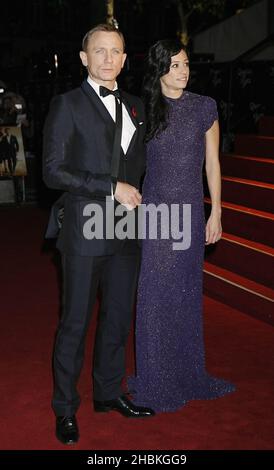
[251, 224]
[249, 193]
[254, 168]
[266, 125]
[248, 259]
[255, 145]
[238, 292]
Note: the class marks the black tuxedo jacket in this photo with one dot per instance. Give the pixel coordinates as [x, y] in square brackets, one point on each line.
[77, 152]
[11, 147]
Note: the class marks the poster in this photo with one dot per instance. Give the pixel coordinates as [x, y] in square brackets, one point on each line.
[12, 155]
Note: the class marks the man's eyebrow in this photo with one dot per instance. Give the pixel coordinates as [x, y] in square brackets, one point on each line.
[106, 47]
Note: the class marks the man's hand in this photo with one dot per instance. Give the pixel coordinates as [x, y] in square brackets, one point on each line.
[127, 195]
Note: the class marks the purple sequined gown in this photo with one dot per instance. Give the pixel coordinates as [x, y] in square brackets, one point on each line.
[170, 358]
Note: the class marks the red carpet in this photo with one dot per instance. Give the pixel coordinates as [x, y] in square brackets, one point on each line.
[239, 348]
[256, 145]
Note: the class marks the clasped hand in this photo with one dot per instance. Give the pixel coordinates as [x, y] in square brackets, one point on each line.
[127, 195]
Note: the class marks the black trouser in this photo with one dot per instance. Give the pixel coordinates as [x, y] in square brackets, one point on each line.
[117, 276]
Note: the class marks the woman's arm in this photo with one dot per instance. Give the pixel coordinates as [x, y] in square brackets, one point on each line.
[213, 174]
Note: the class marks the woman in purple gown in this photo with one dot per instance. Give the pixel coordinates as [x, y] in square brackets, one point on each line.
[182, 131]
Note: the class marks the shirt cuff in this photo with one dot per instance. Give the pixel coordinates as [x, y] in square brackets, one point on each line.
[113, 189]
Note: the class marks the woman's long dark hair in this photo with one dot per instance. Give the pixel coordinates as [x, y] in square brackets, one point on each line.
[158, 64]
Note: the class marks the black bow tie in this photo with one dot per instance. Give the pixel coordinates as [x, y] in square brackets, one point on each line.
[105, 92]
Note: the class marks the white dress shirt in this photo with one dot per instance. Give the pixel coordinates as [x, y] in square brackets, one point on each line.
[128, 127]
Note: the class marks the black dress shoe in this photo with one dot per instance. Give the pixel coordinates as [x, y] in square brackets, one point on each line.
[67, 429]
[124, 406]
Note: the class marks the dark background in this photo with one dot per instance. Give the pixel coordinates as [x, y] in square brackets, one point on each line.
[32, 31]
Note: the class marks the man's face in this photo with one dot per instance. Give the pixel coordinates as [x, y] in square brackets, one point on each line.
[104, 58]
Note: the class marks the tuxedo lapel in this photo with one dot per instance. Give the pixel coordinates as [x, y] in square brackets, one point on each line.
[105, 115]
[97, 103]
[129, 109]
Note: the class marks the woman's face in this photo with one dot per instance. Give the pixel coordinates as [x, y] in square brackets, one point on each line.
[177, 77]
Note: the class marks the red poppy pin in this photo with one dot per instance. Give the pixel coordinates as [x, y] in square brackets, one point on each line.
[134, 112]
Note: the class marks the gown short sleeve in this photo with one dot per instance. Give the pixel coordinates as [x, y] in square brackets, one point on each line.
[210, 113]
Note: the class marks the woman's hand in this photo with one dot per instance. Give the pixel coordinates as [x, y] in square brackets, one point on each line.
[213, 229]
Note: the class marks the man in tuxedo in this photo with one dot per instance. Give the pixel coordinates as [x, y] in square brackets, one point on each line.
[12, 148]
[80, 136]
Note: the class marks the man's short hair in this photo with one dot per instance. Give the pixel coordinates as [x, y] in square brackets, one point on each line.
[108, 28]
